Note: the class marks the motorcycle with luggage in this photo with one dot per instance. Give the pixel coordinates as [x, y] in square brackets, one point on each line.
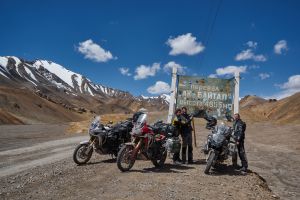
[147, 141]
[104, 139]
[220, 146]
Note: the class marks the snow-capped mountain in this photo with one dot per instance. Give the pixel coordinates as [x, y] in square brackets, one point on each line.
[164, 98]
[56, 84]
[42, 72]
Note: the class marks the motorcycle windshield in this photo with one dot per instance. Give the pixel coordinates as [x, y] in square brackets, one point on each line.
[137, 129]
[95, 123]
[218, 138]
[141, 120]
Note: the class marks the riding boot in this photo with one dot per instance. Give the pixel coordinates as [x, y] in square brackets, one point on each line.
[190, 153]
[183, 154]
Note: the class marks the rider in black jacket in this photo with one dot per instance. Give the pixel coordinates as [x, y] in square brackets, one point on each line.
[239, 128]
[187, 138]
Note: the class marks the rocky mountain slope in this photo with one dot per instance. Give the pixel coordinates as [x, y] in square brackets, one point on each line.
[283, 111]
[30, 90]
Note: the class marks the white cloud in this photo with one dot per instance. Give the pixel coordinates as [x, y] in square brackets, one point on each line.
[264, 76]
[169, 67]
[292, 84]
[229, 70]
[259, 58]
[94, 52]
[213, 76]
[125, 71]
[252, 44]
[280, 46]
[185, 44]
[144, 71]
[248, 54]
[159, 87]
[244, 55]
[289, 88]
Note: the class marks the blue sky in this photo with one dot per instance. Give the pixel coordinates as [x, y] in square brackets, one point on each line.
[97, 38]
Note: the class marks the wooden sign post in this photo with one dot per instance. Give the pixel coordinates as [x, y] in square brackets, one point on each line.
[236, 93]
[194, 131]
[173, 95]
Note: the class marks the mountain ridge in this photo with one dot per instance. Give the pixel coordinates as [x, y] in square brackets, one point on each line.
[70, 90]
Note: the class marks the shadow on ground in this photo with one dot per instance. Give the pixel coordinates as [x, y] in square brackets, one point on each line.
[223, 169]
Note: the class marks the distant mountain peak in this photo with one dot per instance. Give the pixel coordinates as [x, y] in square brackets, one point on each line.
[72, 90]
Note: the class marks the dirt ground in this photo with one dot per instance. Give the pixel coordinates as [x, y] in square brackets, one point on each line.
[274, 152]
[43, 169]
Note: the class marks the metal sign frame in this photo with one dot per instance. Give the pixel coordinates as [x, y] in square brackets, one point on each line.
[174, 90]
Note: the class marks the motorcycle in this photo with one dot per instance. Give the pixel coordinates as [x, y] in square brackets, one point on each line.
[172, 140]
[146, 141]
[220, 145]
[104, 139]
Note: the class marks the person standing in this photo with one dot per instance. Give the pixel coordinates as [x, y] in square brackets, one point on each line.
[187, 138]
[239, 128]
[177, 122]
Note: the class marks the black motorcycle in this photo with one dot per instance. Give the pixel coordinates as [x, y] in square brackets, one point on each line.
[104, 139]
[220, 145]
[172, 142]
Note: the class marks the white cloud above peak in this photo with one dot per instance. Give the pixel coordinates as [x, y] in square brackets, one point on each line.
[280, 47]
[169, 67]
[229, 70]
[185, 44]
[292, 84]
[251, 44]
[143, 71]
[125, 71]
[94, 52]
[248, 54]
[159, 87]
[289, 88]
[264, 76]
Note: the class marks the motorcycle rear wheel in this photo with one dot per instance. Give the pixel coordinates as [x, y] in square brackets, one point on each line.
[80, 156]
[161, 161]
[124, 161]
[210, 161]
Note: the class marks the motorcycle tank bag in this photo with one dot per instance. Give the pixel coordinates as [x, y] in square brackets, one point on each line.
[173, 145]
[171, 129]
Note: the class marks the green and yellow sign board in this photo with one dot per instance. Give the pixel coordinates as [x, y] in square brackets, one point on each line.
[211, 94]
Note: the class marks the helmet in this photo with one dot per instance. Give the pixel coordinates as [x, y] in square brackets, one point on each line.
[211, 122]
[137, 114]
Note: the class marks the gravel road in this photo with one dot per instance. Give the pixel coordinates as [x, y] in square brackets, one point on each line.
[44, 169]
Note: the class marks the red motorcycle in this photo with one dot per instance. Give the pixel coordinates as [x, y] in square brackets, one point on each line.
[144, 142]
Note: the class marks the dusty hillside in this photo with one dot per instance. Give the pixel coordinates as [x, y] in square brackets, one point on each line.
[19, 106]
[44, 91]
[284, 111]
[82, 126]
[8, 118]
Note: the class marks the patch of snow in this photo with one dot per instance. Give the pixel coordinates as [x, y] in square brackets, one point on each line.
[3, 61]
[18, 61]
[58, 70]
[30, 81]
[166, 97]
[28, 71]
[78, 79]
[144, 97]
[3, 74]
[89, 90]
[101, 88]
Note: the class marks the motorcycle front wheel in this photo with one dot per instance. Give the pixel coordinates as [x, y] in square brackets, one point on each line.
[160, 162]
[80, 155]
[124, 158]
[210, 161]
